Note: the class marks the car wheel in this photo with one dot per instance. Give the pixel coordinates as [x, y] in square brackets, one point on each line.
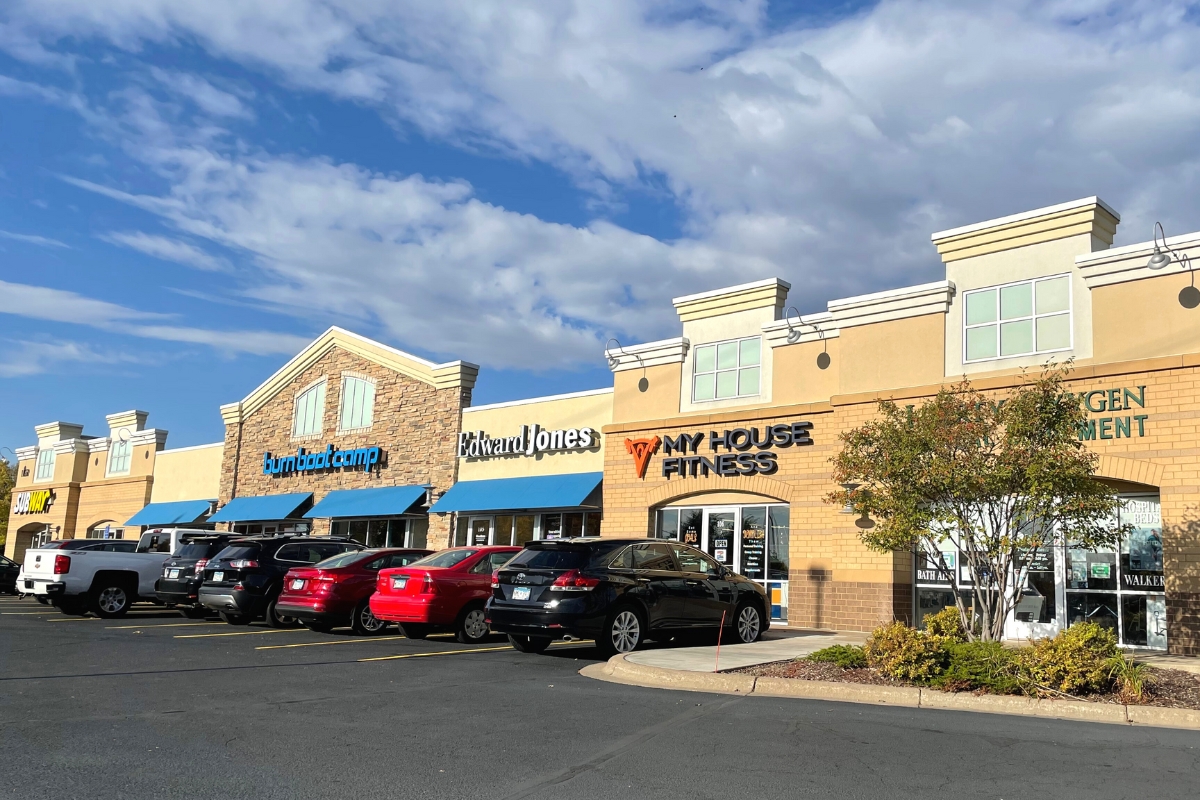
[472, 626]
[318, 627]
[72, 606]
[41, 598]
[235, 619]
[529, 644]
[623, 632]
[748, 623]
[411, 631]
[192, 612]
[365, 623]
[277, 620]
[111, 600]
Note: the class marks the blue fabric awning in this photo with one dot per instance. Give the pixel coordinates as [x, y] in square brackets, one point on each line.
[520, 494]
[261, 509]
[386, 501]
[181, 512]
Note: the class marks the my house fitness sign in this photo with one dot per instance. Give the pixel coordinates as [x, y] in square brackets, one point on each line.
[737, 444]
[330, 458]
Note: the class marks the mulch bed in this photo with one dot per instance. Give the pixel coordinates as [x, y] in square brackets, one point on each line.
[1169, 688]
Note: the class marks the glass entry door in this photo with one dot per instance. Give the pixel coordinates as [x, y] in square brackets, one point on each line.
[481, 531]
[720, 542]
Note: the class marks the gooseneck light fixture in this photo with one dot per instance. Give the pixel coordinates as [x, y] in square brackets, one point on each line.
[1189, 296]
[614, 361]
[794, 334]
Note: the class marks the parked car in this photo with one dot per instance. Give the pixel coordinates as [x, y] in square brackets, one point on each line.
[105, 576]
[178, 585]
[620, 592]
[337, 591]
[243, 582]
[9, 570]
[443, 591]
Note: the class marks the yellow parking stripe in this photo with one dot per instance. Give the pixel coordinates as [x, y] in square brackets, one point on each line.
[25, 613]
[359, 640]
[170, 625]
[76, 619]
[237, 633]
[458, 652]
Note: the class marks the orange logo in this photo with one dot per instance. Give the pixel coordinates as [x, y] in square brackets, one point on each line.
[641, 450]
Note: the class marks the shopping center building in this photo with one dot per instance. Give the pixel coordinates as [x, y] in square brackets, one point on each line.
[720, 437]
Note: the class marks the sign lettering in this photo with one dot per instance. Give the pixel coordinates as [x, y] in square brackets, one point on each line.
[330, 458]
[532, 439]
[35, 502]
[738, 442]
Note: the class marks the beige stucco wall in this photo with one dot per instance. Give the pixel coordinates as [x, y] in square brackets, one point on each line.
[590, 410]
[892, 354]
[189, 473]
[798, 378]
[1143, 319]
[659, 401]
[736, 325]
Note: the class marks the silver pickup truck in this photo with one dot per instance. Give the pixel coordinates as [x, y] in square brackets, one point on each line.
[106, 581]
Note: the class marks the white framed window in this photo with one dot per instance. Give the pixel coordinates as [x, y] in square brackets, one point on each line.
[1017, 319]
[44, 470]
[358, 403]
[726, 369]
[118, 457]
[307, 418]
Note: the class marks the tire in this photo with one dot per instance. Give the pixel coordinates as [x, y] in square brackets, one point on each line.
[529, 644]
[366, 623]
[41, 598]
[72, 606]
[277, 620]
[194, 612]
[412, 631]
[111, 599]
[472, 627]
[235, 619]
[318, 627]
[623, 632]
[747, 623]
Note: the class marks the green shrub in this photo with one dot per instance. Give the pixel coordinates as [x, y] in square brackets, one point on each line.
[846, 656]
[899, 651]
[946, 623]
[1076, 661]
[980, 666]
[1129, 677]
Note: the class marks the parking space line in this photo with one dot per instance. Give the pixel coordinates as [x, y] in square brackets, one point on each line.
[169, 625]
[236, 633]
[76, 619]
[358, 640]
[25, 613]
[556, 645]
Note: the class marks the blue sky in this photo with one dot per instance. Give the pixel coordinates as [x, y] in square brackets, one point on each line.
[191, 191]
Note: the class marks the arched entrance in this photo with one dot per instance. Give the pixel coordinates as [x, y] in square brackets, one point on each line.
[105, 529]
[35, 534]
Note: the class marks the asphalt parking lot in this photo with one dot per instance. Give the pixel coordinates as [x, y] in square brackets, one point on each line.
[157, 706]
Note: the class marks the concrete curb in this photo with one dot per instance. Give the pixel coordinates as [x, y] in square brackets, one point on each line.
[619, 670]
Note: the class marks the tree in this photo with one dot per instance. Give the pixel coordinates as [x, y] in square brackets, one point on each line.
[8, 477]
[999, 478]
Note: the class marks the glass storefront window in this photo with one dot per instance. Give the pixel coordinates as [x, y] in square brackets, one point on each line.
[690, 522]
[668, 524]
[572, 525]
[461, 534]
[418, 530]
[778, 554]
[754, 542]
[377, 533]
[1098, 607]
[552, 526]
[591, 526]
[1090, 569]
[524, 529]
[504, 525]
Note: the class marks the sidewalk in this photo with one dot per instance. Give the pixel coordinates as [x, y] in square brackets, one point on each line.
[774, 646]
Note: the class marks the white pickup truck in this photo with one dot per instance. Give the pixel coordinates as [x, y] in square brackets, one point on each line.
[105, 580]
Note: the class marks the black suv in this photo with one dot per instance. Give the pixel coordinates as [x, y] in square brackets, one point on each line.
[183, 572]
[244, 580]
[619, 592]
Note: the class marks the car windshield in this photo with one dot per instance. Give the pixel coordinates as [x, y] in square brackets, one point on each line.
[342, 560]
[238, 551]
[550, 558]
[446, 558]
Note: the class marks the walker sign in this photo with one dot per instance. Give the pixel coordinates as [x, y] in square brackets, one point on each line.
[36, 502]
[361, 458]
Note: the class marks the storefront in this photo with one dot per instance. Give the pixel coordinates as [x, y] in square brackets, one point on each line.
[530, 469]
[723, 436]
[388, 516]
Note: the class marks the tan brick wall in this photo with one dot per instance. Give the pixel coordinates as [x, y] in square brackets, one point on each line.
[415, 424]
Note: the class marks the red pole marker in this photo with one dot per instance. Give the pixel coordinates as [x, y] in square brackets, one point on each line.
[719, 632]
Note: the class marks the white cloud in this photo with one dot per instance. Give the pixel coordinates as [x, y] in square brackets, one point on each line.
[59, 305]
[208, 98]
[167, 249]
[29, 238]
[21, 359]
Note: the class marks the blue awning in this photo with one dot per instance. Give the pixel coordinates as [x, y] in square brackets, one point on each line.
[520, 494]
[386, 501]
[181, 512]
[261, 509]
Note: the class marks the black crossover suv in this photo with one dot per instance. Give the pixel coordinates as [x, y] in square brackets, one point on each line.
[619, 592]
[244, 580]
[183, 572]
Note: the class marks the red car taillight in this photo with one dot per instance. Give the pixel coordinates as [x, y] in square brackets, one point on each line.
[62, 565]
[428, 586]
[243, 563]
[200, 566]
[496, 579]
[573, 581]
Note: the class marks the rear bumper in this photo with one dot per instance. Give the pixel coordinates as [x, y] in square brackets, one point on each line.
[425, 609]
[554, 623]
[224, 598]
[43, 587]
[179, 593]
[314, 610]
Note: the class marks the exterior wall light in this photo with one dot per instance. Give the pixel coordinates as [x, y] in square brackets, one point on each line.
[794, 334]
[614, 361]
[849, 507]
[1189, 296]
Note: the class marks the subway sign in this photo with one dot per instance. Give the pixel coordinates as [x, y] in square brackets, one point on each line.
[330, 458]
[35, 502]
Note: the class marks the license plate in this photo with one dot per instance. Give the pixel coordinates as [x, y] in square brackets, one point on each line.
[399, 583]
[218, 576]
[172, 573]
[297, 584]
[521, 593]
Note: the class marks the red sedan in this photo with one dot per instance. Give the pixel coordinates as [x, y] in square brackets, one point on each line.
[446, 591]
[337, 591]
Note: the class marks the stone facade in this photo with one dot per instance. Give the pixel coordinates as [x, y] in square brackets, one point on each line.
[415, 424]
